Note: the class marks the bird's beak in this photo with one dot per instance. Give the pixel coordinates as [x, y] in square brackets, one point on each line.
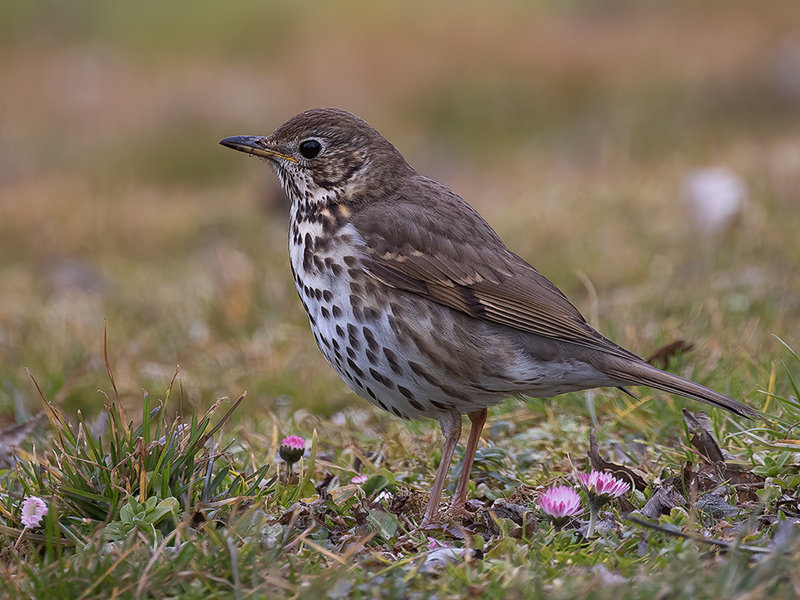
[256, 145]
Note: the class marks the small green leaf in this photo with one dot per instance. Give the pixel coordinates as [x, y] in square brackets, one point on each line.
[384, 523]
[165, 507]
[374, 484]
[126, 513]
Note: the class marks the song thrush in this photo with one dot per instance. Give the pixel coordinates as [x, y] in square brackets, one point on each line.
[414, 299]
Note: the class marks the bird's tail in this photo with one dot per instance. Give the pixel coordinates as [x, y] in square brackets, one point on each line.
[643, 373]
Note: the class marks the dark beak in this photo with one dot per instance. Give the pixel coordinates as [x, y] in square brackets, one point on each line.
[255, 145]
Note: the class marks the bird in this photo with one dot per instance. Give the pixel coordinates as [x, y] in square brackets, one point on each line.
[417, 303]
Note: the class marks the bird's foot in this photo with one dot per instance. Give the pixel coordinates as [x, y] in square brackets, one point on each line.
[458, 512]
[455, 515]
[433, 525]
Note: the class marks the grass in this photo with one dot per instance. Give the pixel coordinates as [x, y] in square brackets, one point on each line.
[177, 507]
[571, 130]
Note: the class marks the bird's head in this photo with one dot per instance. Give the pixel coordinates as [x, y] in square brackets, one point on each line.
[323, 151]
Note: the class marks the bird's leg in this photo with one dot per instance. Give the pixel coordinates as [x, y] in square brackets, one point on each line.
[478, 419]
[451, 428]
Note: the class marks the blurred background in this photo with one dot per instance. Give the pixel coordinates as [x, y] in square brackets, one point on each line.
[645, 156]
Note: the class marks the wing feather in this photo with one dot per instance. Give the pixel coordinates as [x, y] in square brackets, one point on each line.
[445, 251]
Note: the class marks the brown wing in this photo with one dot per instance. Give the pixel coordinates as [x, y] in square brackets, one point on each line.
[434, 244]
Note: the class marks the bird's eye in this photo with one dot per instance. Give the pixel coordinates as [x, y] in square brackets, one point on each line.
[310, 148]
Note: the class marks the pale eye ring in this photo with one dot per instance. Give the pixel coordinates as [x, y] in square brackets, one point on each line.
[310, 148]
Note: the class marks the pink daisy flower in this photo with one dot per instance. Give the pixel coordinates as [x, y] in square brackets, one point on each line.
[33, 511]
[560, 502]
[292, 448]
[359, 479]
[603, 485]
